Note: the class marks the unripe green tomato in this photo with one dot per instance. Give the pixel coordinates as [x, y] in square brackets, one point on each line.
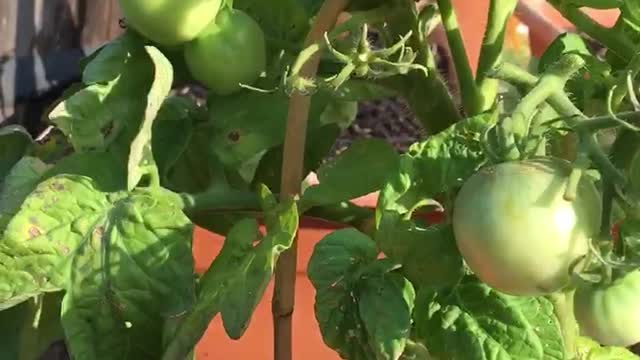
[610, 313]
[231, 51]
[516, 231]
[169, 22]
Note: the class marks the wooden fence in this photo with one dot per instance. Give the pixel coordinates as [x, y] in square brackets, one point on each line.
[41, 42]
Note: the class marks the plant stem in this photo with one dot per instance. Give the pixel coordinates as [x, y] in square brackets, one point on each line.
[469, 91]
[292, 173]
[426, 94]
[563, 309]
[219, 200]
[580, 122]
[552, 82]
[610, 38]
[499, 13]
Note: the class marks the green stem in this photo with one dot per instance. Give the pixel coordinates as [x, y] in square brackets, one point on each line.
[610, 38]
[563, 309]
[561, 103]
[608, 122]
[469, 91]
[580, 165]
[219, 200]
[499, 13]
[552, 82]
[426, 94]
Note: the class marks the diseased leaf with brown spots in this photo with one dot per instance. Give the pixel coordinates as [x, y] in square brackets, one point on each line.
[114, 253]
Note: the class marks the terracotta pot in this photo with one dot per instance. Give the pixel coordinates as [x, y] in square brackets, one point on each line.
[546, 23]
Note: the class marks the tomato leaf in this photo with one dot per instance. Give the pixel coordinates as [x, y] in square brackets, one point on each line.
[436, 165]
[476, 322]
[109, 102]
[172, 131]
[15, 141]
[114, 253]
[385, 307]
[18, 184]
[29, 328]
[317, 147]
[125, 85]
[428, 254]
[588, 349]
[566, 43]
[359, 170]
[107, 170]
[141, 161]
[588, 86]
[285, 20]
[236, 280]
[131, 250]
[249, 123]
[363, 309]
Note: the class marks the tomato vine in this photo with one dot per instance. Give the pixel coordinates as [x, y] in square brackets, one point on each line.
[509, 229]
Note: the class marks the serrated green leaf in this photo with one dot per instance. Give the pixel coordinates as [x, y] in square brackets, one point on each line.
[141, 161]
[107, 63]
[31, 327]
[172, 131]
[428, 254]
[363, 309]
[444, 161]
[15, 141]
[317, 146]
[341, 113]
[284, 20]
[476, 322]
[435, 166]
[564, 44]
[250, 123]
[20, 181]
[336, 259]
[386, 304]
[133, 251]
[106, 169]
[359, 170]
[236, 280]
[114, 253]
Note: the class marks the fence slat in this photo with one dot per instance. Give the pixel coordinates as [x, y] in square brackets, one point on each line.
[41, 42]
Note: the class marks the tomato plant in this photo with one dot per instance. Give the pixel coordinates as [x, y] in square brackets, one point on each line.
[228, 53]
[516, 230]
[169, 23]
[510, 229]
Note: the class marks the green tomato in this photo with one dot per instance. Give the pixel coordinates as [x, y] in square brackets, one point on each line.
[169, 22]
[515, 230]
[231, 51]
[610, 313]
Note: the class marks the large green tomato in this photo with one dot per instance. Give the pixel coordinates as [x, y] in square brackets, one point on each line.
[231, 51]
[610, 313]
[169, 22]
[516, 231]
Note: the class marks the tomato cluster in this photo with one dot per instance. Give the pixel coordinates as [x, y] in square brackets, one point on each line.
[224, 48]
[518, 234]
